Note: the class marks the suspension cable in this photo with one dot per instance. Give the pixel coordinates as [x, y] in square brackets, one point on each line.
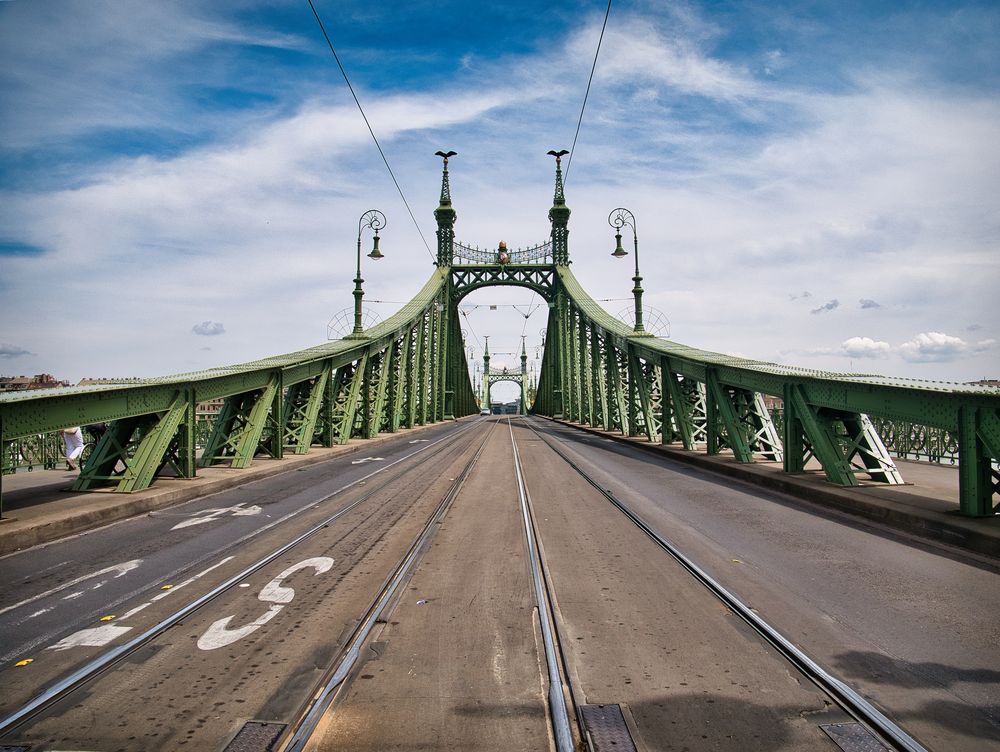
[572, 151]
[372, 132]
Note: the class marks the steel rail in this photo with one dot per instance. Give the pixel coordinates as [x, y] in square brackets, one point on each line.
[557, 698]
[102, 663]
[844, 695]
[298, 734]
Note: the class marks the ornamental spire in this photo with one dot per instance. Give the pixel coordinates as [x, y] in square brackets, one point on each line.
[559, 215]
[445, 216]
[445, 187]
[560, 197]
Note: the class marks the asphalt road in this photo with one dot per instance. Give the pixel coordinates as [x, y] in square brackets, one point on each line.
[456, 662]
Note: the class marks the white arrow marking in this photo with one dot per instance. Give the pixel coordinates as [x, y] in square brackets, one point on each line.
[419, 441]
[210, 515]
[218, 636]
[119, 569]
[367, 459]
[92, 638]
[273, 592]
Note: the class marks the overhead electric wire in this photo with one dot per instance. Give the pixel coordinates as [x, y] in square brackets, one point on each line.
[372, 132]
[572, 151]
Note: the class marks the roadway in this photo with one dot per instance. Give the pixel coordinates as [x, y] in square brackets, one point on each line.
[452, 658]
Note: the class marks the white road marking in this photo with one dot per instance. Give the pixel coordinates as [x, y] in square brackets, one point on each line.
[40, 612]
[210, 515]
[218, 635]
[91, 638]
[273, 592]
[120, 569]
[418, 441]
[99, 636]
[367, 459]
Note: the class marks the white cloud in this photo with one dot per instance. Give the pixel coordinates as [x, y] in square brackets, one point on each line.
[939, 347]
[865, 347]
[209, 329]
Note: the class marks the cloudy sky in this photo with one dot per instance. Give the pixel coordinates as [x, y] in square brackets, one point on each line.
[814, 183]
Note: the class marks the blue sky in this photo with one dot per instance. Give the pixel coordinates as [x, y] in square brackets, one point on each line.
[815, 183]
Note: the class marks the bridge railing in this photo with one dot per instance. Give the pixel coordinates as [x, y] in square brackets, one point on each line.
[598, 371]
[467, 254]
[407, 370]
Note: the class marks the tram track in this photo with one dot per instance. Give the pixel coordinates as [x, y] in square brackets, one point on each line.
[881, 727]
[299, 732]
[64, 688]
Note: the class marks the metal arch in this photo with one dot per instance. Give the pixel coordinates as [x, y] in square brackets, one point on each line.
[538, 278]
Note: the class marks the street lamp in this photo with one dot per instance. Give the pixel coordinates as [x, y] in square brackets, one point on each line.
[619, 218]
[375, 220]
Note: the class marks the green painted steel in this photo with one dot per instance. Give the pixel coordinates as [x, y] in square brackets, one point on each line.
[411, 369]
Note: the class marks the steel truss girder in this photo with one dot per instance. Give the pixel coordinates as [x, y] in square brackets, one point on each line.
[746, 424]
[839, 440]
[133, 451]
[238, 429]
[537, 277]
[302, 405]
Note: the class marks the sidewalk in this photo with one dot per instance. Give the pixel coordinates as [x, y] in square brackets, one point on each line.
[40, 506]
[926, 506]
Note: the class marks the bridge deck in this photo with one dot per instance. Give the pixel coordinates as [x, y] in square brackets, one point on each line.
[454, 660]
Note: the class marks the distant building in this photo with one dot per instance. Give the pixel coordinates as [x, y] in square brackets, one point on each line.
[994, 383]
[25, 383]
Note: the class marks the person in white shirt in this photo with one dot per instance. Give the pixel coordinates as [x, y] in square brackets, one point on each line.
[73, 439]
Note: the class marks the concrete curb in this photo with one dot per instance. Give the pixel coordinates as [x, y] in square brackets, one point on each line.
[978, 536]
[104, 507]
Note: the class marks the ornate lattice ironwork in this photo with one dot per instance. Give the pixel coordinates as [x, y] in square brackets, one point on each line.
[467, 254]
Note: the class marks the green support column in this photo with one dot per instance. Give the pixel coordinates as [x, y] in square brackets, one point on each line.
[555, 363]
[639, 373]
[400, 372]
[417, 384]
[819, 433]
[276, 418]
[712, 437]
[722, 404]
[618, 412]
[328, 407]
[142, 467]
[978, 439]
[598, 380]
[301, 437]
[794, 434]
[573, 371]
[680, 408]
[586, 373]
[379, 397]
[187, 462]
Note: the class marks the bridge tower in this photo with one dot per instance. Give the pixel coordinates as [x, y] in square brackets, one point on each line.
[486, 375]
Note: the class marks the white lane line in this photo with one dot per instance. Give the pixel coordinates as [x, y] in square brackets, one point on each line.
[96, 637]
[211, 515]
[119, 569]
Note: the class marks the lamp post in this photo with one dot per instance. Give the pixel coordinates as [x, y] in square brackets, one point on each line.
[375, 220]
[619, 218]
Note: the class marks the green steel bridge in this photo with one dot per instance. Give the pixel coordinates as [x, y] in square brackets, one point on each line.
[411, 370]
